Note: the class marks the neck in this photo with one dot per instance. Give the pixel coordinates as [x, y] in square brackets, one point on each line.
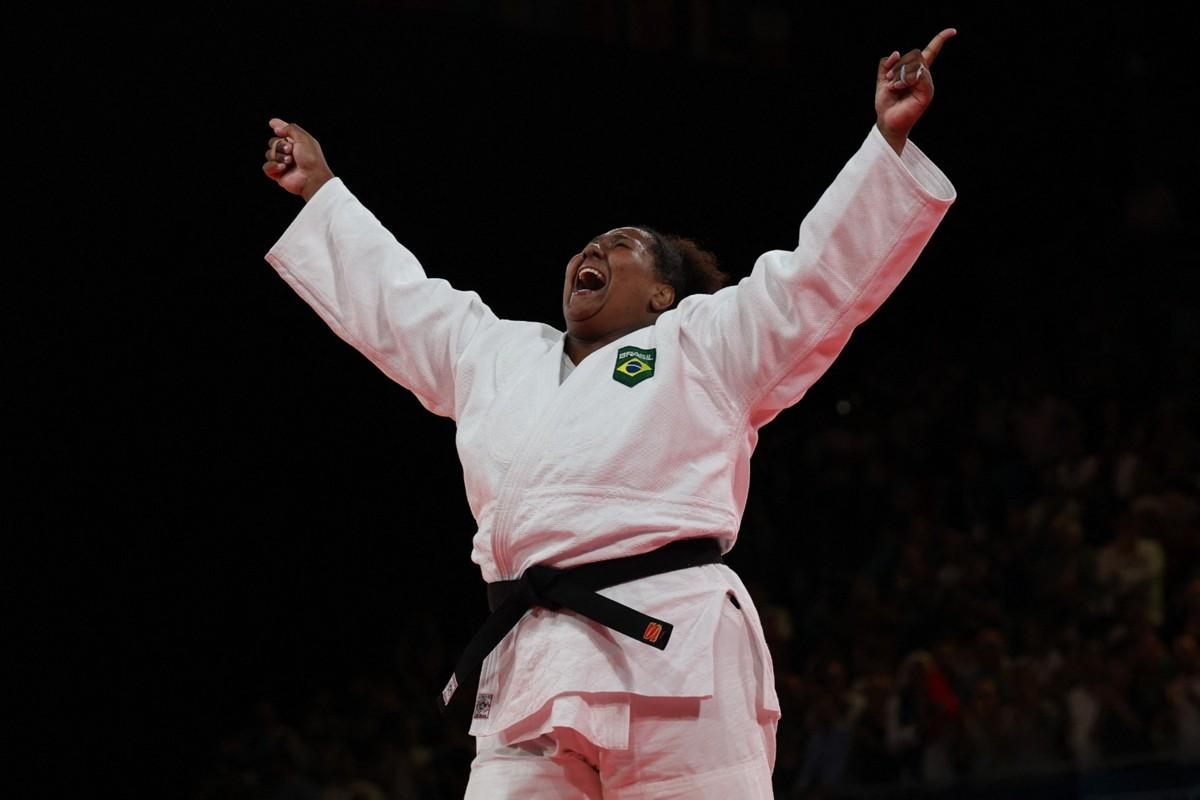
[579, 347]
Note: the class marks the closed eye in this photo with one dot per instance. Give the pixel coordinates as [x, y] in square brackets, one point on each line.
[617, 241]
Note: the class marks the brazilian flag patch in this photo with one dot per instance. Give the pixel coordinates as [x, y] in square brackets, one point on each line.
[634, 365]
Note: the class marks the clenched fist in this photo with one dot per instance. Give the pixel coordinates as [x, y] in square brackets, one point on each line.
[294, 160]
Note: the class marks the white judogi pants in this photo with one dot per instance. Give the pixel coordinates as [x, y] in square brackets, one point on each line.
[696, 748]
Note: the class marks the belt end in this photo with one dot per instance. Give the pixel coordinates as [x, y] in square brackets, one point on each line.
[448, 692]
[657, 634]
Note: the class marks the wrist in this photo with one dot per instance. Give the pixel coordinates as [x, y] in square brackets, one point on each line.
[894, 139]
[314, 185]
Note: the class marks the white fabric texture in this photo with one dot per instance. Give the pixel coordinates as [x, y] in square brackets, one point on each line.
[593, 469]
[714, 748]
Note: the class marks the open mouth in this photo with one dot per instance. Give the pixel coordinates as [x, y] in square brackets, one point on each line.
[589, 279]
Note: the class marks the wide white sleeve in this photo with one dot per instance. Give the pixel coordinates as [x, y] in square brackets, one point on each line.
[374, 294]
[767, 339]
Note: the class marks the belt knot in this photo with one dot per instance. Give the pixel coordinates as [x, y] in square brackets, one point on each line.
[535, 583]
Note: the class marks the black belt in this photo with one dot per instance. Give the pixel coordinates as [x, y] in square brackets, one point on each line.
[575, 589]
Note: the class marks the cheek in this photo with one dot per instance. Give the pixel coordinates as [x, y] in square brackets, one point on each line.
[628, 297]
[637, 280]
[570, 268]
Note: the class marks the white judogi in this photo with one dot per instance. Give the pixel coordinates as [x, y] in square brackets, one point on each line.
[594, 469]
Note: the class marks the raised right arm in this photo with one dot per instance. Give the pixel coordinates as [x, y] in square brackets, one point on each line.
[367, 286]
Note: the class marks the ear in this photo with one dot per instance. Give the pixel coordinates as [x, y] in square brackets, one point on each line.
[663, 298]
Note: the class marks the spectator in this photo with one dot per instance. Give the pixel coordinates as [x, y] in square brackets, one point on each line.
[830, 721]
[1130, 570]
[1083, 708]
[1120, 730]
[1183, 694]
[871, 758]
[1036, 722]
[921, 717]
[989, 732]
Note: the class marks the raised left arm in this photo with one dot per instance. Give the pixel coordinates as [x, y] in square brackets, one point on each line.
[766, 340]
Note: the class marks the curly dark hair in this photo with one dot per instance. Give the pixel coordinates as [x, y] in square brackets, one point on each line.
[687, 266]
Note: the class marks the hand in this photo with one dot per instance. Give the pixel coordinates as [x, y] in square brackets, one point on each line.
[904, 89]
[294, 160]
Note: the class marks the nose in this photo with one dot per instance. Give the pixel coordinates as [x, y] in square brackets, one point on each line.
[594, 249]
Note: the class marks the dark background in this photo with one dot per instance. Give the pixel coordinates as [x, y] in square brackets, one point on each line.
[230, 502]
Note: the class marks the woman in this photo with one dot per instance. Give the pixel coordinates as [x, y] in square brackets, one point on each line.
[622, 444]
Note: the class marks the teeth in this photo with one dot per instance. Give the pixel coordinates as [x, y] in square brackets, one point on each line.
[589, 279]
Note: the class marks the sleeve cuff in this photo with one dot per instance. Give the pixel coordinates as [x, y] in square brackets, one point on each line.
[317, 207]
[926, 174]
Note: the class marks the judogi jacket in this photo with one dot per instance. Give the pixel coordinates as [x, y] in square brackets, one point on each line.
[646, 441]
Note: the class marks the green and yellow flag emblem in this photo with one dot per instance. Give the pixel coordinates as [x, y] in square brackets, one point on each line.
[634, 365]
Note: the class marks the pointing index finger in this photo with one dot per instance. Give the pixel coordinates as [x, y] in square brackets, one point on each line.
[935, 46]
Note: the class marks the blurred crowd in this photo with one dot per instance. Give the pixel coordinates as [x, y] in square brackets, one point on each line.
[985, 567]
[1015, 589]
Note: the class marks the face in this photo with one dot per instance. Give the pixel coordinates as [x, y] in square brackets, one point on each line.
[613, 287]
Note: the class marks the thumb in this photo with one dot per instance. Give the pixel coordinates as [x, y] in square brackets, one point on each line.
[287, 129]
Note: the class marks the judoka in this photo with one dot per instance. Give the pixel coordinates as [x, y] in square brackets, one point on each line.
[623, 659]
